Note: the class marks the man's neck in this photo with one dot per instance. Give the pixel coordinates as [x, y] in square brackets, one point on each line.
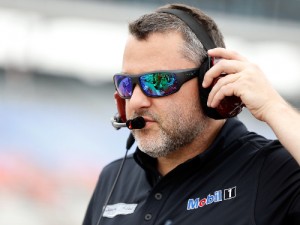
[199, 145]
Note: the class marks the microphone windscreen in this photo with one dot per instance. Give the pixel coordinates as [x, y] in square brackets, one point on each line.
[136, 123]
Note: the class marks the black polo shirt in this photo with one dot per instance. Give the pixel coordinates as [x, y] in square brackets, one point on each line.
[241, 179]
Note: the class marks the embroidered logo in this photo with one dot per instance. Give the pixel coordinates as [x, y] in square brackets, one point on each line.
[218, 196]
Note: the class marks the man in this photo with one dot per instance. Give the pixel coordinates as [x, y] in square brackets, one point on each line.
[190, 168]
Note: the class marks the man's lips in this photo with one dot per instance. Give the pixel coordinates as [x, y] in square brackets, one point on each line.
[148, 119]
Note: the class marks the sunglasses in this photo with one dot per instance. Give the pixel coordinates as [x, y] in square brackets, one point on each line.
[154, 84]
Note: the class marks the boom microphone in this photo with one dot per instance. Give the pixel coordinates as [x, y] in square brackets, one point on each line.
[136, 123]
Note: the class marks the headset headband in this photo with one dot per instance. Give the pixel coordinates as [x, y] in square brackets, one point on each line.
[195, 26]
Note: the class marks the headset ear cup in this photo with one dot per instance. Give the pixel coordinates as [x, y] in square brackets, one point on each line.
[230, 106]
[204, 92]
[120, 102]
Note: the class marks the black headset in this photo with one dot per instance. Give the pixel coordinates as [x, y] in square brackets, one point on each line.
[230, 106]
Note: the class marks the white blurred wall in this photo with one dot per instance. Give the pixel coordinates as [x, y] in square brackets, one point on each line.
[86, 40]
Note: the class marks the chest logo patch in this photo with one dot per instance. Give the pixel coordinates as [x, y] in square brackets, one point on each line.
[218, 196]
[119, 209]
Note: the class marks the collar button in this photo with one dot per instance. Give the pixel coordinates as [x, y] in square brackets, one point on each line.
[158, 196]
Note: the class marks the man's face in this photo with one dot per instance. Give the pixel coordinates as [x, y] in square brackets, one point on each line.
[173, 121]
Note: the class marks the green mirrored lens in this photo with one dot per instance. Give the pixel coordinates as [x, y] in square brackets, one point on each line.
[158, 84]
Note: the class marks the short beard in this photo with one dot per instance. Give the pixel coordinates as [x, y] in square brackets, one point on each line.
[172, 135]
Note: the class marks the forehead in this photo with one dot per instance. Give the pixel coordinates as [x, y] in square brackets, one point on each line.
[160, 51]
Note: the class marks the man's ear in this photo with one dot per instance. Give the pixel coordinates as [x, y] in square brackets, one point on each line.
[120, 102]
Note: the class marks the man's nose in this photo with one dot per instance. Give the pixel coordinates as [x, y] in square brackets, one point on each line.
[138, 99]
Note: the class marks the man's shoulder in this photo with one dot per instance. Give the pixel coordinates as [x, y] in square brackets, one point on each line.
[276, 154]
[266, 147]
[267, 150]
[260, 143]
[235, 133]
[113, 167]
[272, 155]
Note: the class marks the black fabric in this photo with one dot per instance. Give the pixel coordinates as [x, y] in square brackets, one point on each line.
[241, 179]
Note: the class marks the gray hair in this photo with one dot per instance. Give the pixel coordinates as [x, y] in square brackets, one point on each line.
[159, 22]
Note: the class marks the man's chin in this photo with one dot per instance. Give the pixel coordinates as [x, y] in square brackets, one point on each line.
[154, 154]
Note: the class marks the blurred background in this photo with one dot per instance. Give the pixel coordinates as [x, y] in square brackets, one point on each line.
[57, 58]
